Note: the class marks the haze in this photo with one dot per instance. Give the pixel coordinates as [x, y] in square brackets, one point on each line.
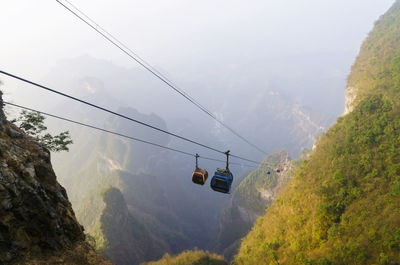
[224, 53]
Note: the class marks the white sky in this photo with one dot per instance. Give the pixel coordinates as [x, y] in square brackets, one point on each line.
[194, 41]
[36, 34]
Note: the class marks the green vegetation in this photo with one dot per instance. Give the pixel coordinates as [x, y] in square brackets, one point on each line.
[32, 123]
[196, 257]
[250, 199]
[377, 68]
[248, 192]
[149, 234]
[124, 233]
[343, 207]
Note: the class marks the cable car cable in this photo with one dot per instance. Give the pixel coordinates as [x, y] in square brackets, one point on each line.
[119, 134]
[110, 111]
[150, 68]
[122, 116]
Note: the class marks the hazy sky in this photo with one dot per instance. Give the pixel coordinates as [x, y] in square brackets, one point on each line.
[198, 42]
[174, 33]
[302, 48]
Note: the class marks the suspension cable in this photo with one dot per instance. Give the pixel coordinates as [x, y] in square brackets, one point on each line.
[120, 134]
[123, 116]
[120, 45]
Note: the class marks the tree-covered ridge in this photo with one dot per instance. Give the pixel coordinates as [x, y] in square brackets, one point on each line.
[196, 257]
[264, 183]
[377, 68]
[248, 192]
[251, 198]
[343, 207]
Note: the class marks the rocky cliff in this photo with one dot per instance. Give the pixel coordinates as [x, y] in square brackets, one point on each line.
[350, 97]
[37, 224]
[124, 233]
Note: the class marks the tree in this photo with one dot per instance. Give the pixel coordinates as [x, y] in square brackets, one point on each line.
[1, 102]
[32, 123]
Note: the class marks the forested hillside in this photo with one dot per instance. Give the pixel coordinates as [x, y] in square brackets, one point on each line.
[343, 207]
[251, 198]
[196, 257]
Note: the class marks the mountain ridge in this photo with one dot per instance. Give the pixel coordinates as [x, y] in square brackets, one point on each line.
[343, 205]
[256, 192]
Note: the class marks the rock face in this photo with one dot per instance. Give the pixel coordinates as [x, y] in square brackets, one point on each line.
[36, 218]
[1, 105]
[350, 93]
[124, 233]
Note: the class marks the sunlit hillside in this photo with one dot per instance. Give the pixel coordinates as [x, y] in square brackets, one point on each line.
[343, 205]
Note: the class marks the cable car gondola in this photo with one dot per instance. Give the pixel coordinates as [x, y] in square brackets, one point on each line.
[199, 175]
[278, 170]
[223, 178]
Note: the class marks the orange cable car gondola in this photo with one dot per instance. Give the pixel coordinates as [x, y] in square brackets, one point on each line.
[199, 175]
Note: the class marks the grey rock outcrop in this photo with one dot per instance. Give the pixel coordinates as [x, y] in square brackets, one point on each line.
[350, 97]
[36, 217]
[1, 105]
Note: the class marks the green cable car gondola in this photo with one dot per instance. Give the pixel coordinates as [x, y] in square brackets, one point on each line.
[199, 175]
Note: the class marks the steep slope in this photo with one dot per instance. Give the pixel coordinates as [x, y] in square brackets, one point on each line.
[38, 225]
[377, 68]
[343, 206]
[196, 257]
[251, 198]
[116, 235]
[124, 233]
